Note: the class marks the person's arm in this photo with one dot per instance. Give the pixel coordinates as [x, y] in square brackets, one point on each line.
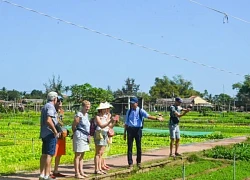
[50, 122]
[184, 112]
[155, 118]
[99, 122]
[75, 123]
[126, 125]
[51, 125]
[146, 115]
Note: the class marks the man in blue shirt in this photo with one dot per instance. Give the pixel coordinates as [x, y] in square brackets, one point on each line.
[49, 135]
[133, 128]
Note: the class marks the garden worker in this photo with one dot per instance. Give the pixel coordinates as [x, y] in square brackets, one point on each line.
[61, 141]
[174, 130]
[133, 127]
[80, 127]
[103, 122]
[49, 135]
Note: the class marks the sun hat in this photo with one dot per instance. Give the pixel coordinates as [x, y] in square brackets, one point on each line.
[51, 96]
[103, 106]
[178, 99]
[108, 104]
[134, 100]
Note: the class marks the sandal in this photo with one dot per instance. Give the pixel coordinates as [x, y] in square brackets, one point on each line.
[99, 172]
[178, 154]
[171, 155]
[105, 168]
[79, 176]
[104, 172]
[84, 175]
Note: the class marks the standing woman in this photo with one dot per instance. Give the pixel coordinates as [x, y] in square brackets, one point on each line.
[80, 127]
[101, 135]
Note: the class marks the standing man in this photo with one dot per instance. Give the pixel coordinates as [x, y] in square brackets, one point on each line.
[49, 135]
[176, 111]
[133, 128]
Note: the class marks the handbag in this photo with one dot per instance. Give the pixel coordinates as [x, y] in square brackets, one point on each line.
[111, 132]
[98, 135]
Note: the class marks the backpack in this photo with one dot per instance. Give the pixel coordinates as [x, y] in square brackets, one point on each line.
[92, 127]
[140, 115]
[173, 119]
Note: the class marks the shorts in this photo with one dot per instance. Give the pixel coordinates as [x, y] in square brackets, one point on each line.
[49, 145]
[60, 147]
[174, 131]
[103, 141]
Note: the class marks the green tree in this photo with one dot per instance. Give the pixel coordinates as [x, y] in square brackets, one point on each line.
[54, 85]
[4, 94]
[130, 88]
[167, 88]
[13, 95]
[93, 94]
[37, 94]
[243, 89]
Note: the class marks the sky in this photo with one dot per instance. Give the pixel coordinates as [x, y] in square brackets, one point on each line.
[33, 47]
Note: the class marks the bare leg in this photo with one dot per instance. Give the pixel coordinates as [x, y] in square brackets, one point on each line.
[171, 145]
[48, 164]
[177, 145]
[57, 162]
[42, 164]
[76, 162]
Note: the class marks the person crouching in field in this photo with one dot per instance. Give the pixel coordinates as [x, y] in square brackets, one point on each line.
[61, 141]
[49, 135]
[174, 130]
[81, 127]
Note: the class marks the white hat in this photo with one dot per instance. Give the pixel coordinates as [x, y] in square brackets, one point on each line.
[103, 106]
[108, 104]
[51, 96]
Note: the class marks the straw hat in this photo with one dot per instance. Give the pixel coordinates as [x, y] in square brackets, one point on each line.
[108, 104]
[103, 106]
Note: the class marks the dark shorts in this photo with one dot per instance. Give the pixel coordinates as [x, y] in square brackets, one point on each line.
[49, 145]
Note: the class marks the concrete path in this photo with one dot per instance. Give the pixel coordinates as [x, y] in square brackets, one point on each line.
[121, 161]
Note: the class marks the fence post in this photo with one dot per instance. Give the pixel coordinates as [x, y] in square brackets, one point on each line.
[32, 146]
[183, 171]
[234, 168]
[15, 137]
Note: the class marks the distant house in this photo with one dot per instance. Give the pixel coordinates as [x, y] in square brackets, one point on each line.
[197, 102]
[122, 104]
[34, 101]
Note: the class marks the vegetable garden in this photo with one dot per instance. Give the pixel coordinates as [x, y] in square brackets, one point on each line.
[20, 146]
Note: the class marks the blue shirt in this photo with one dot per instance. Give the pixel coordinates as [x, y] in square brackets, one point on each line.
[47, 110]
[134, 118]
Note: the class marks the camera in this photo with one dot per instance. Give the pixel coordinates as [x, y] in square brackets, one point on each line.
[190, 106]
[59, 99]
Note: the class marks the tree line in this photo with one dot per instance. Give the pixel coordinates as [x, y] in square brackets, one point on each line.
[164, 87]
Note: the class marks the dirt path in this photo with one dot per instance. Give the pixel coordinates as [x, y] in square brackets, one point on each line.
[121, 161]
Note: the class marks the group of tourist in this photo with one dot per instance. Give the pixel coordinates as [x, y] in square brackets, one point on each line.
[53, 135]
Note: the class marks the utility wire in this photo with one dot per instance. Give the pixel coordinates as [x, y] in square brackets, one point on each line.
[226, 15]
[119, 39]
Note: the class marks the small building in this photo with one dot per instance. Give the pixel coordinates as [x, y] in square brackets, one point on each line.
[122, 104]
[196, 101]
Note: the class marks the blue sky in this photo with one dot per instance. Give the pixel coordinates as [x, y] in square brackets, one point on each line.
[33, 48]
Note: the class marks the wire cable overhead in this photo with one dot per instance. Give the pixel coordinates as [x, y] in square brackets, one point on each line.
[119, 39]
[218, 11]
